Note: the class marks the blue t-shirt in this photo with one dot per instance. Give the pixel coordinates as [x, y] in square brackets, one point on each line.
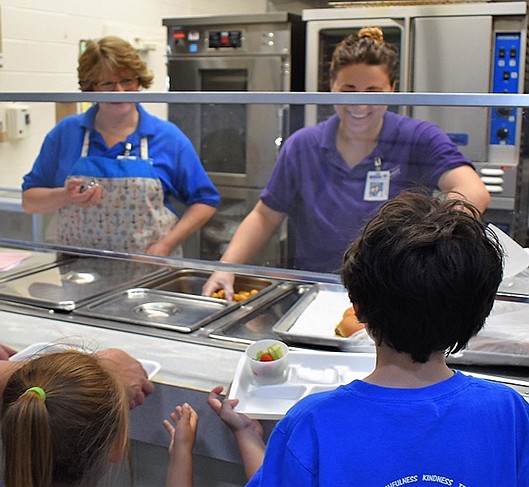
[324, 197]
[460, 432]
[173, 157]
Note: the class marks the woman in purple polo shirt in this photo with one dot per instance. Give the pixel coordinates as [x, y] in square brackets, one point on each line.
[330, 178]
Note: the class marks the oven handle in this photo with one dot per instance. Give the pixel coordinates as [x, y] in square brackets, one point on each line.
[282, 125]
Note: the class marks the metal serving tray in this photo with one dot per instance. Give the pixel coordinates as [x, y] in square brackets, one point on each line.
[190, 281]
[313, 318]
[71, 283]
[256, 320]
[158, 309]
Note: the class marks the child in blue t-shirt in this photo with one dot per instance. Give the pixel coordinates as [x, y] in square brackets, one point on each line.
[422, 276]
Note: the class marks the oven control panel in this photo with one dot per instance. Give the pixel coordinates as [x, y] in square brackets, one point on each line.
[186, 40]
[219, 39]
[506, 79]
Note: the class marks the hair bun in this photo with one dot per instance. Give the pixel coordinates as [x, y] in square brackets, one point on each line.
[373, 33]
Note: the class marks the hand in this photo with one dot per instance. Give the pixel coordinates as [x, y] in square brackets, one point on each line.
[220, 280]
[6, 352]
[247, 432]
[225, 411]
[129, 372]
[83, 195]
[183, 433]
[159, 248]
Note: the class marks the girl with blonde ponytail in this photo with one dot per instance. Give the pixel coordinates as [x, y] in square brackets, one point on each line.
[64, 421]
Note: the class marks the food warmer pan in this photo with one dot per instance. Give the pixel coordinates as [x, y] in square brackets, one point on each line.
[155, 308]
[190, 281]
[71, 283]
[173, 301]
[250, 323]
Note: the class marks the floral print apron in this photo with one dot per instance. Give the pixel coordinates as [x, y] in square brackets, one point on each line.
[130, 217]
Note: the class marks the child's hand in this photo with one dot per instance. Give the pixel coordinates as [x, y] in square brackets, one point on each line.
[247, 432]
[184, 431]
[225, 410]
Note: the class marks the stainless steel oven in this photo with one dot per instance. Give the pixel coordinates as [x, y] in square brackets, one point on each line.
[448, 48]
[237, 143]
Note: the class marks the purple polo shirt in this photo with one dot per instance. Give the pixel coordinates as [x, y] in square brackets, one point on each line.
[324, 197]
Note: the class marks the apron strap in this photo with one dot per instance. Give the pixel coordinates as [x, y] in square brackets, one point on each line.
[86, 143]
[144, 146]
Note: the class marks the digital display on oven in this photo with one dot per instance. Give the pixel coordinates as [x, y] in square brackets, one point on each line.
[225, 38]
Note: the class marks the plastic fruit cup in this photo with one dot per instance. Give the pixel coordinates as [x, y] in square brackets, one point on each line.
[273, 372]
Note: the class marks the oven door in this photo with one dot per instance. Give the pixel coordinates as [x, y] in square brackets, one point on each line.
[445, 62]
[237, 143]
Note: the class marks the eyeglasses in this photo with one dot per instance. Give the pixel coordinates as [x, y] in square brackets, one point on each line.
[125, 83]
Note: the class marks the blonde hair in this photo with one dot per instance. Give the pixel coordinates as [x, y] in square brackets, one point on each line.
[68, 436]
[110, 54]
[368, 47]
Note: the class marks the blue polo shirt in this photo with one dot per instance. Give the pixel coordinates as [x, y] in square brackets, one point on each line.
[324, 197]
[173, 157]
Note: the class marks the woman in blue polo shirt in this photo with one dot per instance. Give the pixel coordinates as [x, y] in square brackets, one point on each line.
[330, 178]
[113, 172]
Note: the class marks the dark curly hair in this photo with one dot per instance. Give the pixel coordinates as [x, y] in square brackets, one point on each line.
[424, 273]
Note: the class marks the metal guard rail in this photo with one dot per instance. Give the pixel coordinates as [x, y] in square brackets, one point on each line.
[279, 97]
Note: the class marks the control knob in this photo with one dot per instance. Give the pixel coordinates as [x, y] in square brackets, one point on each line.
[502, 133]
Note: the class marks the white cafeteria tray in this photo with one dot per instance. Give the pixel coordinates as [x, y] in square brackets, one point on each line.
[308, 372]
[151, 367]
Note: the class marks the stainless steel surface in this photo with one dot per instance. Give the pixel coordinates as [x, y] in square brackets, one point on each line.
[256, 321]
[35, 261]
[437, 41]
[237, 143]
[417, 9]
[283, 326]
[228, 332]
[293, 98]
[230, 19]
[157, 309]
[73, 282]
[188, 282]
[233, 36]
[191, 281]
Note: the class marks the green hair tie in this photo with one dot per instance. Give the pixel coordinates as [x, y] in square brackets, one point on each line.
[39, 391]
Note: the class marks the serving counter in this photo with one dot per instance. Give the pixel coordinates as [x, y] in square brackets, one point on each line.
[97, 300]
[51, 294]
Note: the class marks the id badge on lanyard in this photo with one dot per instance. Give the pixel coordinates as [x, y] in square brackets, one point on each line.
[377, 183]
